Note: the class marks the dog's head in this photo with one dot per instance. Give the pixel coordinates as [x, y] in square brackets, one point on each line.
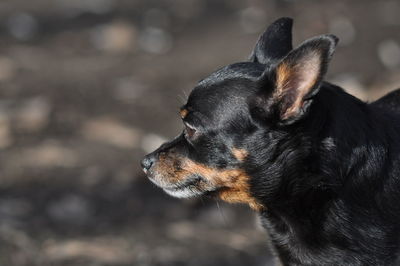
[236, 121]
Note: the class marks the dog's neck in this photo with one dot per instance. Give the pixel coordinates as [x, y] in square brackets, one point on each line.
[328, 153]
[328, 177]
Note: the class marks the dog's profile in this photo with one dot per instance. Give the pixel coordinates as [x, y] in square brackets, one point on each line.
[321, 167]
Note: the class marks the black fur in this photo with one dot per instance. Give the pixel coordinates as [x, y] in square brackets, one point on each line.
[275, 43]
[328, 175]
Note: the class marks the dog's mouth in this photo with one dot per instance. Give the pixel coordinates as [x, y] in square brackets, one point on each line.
[193, 186]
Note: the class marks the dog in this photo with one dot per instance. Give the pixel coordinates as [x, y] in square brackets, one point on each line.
[319, 166]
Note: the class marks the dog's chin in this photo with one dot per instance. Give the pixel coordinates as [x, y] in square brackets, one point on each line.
[182, 193]
[189, 188]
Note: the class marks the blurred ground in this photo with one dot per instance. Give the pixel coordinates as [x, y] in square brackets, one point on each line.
[87, 87]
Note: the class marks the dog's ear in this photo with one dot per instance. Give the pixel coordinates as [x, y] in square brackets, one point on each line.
[274, 43]
[299, 75]
[287, 89]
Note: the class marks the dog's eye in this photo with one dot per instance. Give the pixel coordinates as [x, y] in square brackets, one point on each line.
[190, 131]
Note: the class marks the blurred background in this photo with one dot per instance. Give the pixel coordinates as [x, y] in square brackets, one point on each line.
[87, 87]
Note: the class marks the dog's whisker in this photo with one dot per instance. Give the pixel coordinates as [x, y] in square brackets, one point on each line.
[221, 213]
[181, 99]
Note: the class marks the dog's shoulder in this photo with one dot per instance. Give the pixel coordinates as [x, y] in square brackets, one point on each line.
[390, 101]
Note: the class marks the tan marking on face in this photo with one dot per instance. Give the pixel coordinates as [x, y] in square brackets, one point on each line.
[183, 113]
[233, 183]
[240, 154]
[169, 168]
[240, 193]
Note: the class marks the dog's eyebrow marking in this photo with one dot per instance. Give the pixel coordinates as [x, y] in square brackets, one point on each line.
[183, 112]
[240, 154]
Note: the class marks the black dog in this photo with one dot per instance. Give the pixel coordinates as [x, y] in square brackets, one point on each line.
[321, 167]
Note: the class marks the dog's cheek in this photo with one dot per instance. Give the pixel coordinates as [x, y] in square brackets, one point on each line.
[233, 184]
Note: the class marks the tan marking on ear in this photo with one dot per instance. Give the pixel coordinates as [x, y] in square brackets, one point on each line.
[297, 80]
[283, 72]
[233, 183]
[183, 113]
[240, 154]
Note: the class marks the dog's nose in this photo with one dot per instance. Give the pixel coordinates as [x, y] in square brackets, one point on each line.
[147, 162]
